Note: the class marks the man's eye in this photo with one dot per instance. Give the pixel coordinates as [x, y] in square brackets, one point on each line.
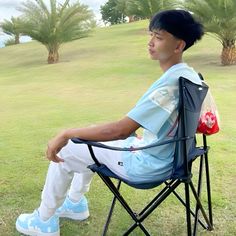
[158, 37]
[151, 34]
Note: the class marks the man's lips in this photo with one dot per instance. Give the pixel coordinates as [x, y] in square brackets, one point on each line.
[151, 51]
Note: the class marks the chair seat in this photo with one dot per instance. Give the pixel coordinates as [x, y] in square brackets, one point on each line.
[104, 170]
[107, 172]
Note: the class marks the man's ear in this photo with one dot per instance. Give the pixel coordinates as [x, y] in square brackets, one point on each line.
[180, 46]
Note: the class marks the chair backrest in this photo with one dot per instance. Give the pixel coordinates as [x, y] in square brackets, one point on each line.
[191, 97]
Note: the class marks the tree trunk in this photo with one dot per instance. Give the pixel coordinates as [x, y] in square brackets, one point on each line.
[53, 56]
[17, 38]
[228, 55]
[131, 19]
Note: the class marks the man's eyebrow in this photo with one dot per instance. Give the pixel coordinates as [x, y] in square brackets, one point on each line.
[156, 32]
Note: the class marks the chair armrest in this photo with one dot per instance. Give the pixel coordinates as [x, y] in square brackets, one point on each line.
[101, 145]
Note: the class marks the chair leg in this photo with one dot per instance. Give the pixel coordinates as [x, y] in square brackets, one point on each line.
[198, 193]
[111, 211]
[208, 182]
[114, 190]
[192, 213]
[208, 190]
[200, 206]
[138, 219]
[131, 229]
[168, 186]
[152, 206]
[188, 215]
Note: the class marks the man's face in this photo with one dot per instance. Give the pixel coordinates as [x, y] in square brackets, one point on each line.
[162, 45]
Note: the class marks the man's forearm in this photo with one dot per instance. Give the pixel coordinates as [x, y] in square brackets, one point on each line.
[106, 132]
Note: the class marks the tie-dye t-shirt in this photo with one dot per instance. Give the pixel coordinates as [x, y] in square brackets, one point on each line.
[157, 113]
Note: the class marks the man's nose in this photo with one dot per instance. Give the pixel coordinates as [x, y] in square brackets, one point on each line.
[150, 43]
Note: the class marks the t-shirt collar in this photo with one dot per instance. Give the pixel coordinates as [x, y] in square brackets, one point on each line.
[176, 66]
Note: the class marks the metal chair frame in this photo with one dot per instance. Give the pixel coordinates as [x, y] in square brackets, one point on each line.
[170, 185]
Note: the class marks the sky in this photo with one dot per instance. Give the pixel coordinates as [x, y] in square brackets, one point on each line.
[8, 8]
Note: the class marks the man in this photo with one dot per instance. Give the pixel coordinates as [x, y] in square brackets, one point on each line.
[172, 32]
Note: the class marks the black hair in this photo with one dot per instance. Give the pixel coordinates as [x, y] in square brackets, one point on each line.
[179, 23]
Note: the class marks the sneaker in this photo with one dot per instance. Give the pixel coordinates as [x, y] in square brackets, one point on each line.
[31, 224]
[74, 211]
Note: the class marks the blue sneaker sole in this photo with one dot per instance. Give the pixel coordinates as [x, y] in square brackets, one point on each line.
[32, 232]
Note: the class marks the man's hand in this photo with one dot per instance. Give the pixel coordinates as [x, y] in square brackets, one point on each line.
[54, 146]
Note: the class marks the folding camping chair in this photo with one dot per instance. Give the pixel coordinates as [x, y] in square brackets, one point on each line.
[191, 97]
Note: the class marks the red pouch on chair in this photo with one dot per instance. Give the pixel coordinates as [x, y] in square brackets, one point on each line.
[209, 119]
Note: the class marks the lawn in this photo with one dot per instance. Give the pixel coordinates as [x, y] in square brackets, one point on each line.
[99, 79]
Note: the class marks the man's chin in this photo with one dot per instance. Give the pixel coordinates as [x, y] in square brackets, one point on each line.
[153, 58]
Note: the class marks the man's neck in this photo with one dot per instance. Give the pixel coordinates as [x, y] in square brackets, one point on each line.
[165, 65]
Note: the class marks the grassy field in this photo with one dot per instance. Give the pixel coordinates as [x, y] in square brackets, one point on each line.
[99, 79]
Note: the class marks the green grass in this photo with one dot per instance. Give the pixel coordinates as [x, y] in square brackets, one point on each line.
[99, 79]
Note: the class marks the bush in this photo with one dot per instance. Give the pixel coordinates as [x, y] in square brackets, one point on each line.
[9, 42]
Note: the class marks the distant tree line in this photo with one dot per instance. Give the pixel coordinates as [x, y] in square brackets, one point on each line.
[59, 23]
[120, 11]
[217, 16]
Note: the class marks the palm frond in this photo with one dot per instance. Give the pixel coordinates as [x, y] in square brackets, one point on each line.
[217, 16]
[147, 8]
[59, 24]
[11, 27]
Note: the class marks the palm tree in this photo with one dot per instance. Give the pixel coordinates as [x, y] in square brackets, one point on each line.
[219, 19]
[56, 24]
[145, 9]
[12, 27]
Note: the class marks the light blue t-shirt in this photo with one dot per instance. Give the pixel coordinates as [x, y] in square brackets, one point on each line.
[156, 112]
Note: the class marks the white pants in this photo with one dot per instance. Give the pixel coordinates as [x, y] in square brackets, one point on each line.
[72, 176]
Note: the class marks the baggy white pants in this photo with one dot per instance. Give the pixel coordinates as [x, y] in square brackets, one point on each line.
[73, 174]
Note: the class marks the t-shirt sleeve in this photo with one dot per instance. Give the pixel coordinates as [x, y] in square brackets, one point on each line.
[155, 108]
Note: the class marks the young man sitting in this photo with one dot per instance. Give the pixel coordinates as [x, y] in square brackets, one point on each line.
[68, 179]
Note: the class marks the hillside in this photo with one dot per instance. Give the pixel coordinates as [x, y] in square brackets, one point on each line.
[99, 79]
